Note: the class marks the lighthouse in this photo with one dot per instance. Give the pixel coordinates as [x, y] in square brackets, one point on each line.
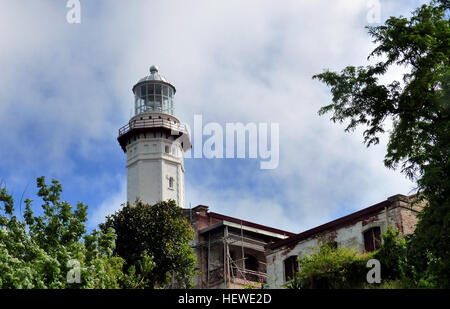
[154, 141]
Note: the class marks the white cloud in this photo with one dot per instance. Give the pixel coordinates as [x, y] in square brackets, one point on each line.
[109, 206]
[230, 61]
[245, 206]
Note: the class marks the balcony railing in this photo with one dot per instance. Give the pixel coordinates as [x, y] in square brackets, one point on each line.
[152, 123]
[249, 275]
[238, 273]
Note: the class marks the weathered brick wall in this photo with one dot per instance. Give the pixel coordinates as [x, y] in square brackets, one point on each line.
[399, 214]
[409, 221]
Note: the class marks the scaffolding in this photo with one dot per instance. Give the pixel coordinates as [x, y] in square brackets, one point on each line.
[233, 271]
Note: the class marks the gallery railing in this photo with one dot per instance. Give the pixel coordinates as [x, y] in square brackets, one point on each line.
[152, 123]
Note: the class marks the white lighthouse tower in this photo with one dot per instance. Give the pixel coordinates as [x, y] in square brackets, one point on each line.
[154, 141]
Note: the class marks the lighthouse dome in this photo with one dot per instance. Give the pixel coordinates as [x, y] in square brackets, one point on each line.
[154, 77]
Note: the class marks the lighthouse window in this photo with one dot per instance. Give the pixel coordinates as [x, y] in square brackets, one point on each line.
[151, 102]
[154, 97]
[158, 104]
[167, 149]
[143, 90]
[157, 89]
[151, 89]
[171, 182]
[165, 104]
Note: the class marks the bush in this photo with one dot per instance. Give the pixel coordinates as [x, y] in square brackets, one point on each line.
[331, 268]
[392, 254]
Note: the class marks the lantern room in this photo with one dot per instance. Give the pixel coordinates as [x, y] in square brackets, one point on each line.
[154, 93]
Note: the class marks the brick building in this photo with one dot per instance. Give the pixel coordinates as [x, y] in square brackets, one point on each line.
[234, 253]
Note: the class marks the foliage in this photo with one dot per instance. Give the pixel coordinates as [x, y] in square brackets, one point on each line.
[419, 110]
[328, 267]
[332, 267]
[163, 232]
[397, 269]
[429, 247]
[389, 285]
[34, 253]
[392, 254]
[253, 286]
[137, 275]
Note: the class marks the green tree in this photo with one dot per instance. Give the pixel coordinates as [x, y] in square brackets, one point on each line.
[419, 108]
[328, 267]
[40, 251]
[164, 233]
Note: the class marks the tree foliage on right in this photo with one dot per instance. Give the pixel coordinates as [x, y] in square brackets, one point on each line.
[330, 267]
[419, 142]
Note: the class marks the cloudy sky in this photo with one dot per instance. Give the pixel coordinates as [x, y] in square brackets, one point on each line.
[65, 89]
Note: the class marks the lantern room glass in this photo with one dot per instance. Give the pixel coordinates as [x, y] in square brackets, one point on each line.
[152, 97]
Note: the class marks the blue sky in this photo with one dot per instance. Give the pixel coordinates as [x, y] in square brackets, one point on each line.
[65, 89]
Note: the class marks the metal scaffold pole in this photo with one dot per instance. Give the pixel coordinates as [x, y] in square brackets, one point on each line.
[242, 245]
[209, 254]
[225, 259]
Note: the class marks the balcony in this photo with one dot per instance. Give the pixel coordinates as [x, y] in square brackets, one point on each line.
[238, 277]
[153, 123]
[248, 275]
[140, 125]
